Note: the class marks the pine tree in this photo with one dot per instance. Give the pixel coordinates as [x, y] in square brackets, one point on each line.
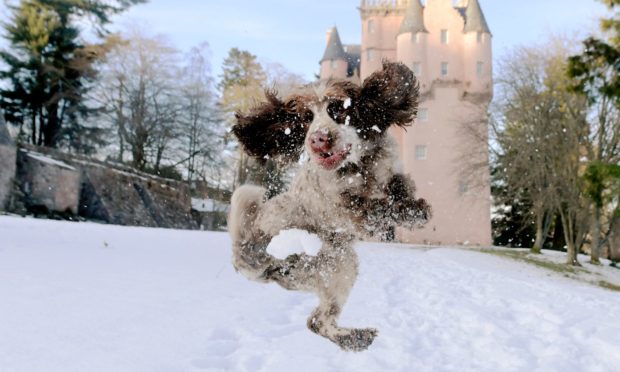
[50, 70]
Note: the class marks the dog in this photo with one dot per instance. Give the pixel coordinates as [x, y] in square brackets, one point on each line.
[347, 188]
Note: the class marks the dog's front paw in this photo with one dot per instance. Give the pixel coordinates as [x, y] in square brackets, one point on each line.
[356, 339]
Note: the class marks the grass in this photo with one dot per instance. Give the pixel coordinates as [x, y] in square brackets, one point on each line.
[609, 285]
[561, 268]
[524, 257]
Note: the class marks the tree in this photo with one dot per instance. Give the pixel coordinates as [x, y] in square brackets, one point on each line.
[597, 74]
[200, 123]
[140, 95]
[50, 70]
[542, 143]
[242, 85]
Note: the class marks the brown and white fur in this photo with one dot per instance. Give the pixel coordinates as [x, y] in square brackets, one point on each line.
[348, 188]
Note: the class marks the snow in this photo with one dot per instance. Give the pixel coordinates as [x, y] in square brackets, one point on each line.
[294, 241]
[47, 160]
[89, 297]
[209, 205]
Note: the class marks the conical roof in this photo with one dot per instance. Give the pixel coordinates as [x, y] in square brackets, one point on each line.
[334, 49]
[474, 18]
[5, 137]
[414, 18]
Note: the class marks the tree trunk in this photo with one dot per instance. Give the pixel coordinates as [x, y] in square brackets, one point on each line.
[52, 127]
[595, 249]
[540, 238]
[571, 258]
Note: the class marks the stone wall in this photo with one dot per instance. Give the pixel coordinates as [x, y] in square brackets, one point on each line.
[125, 198]
[7, 173]
[117, 194]
[47, 184]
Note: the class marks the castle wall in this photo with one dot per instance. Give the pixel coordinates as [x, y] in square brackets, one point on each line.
[460, 199]
[450, 103]
[337, 71]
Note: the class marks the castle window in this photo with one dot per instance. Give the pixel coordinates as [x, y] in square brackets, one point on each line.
[479, 37]
[423, 115]
[479, 68]
[417, 68]
[444, 68]
[370, 55]
[333, 64]
[417, 37]
[420, 152]
[371, 26]
[444, 36]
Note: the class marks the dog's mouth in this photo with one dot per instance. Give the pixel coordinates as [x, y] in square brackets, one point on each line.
[332, 159]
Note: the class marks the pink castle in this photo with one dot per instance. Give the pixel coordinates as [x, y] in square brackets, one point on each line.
[448, 46]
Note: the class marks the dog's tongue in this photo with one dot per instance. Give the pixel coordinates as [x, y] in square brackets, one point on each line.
[332, 162]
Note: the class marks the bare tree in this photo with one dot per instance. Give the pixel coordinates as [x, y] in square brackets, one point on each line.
[200, 123]
[139, 91]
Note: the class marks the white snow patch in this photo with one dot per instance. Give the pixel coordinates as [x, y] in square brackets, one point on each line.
[47, 160]
[294, 241]
[376, 129]
[347, 103]
[90, 297]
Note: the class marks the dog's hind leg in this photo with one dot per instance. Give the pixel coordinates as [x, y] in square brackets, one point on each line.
[336, 273]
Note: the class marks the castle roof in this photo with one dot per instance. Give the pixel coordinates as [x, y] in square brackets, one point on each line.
[474, 18]
[334, 49]
[414, 18]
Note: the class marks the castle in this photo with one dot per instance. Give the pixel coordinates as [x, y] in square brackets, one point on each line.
[448, 46]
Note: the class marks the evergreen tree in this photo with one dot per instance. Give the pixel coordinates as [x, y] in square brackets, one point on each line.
[597, 74]
[50, 70]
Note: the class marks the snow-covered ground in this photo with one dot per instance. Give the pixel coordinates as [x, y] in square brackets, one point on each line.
[88, 297]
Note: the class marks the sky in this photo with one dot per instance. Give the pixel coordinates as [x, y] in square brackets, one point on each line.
[292, 32]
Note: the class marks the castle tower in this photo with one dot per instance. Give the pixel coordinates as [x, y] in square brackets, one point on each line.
[334, 62]
[381, 20]
[449, 49]
[477, 49]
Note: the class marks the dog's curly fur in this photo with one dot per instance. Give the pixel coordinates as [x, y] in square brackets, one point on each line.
[349, 188]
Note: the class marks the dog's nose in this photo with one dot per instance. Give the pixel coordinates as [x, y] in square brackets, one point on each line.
[320, 141]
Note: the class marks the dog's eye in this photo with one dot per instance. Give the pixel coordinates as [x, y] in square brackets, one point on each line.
[337, 110]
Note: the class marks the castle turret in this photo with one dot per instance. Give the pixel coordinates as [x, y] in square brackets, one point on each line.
[412, 41]
[477, 50]
[334, 62]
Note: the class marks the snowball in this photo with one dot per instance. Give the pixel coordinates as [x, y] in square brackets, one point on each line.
[289, 242]
[287, 131]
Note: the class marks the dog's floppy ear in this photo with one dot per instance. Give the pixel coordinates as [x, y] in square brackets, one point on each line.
[389, 97]
[274, 128]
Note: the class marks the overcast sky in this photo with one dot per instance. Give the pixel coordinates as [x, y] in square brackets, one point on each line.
[292, 32]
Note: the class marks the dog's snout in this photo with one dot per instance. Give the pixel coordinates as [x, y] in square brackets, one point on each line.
[320, 141]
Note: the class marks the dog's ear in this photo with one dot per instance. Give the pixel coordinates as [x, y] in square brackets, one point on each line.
[389, 97]
[275, 128]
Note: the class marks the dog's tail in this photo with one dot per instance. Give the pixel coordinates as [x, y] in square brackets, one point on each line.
[249, 244]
